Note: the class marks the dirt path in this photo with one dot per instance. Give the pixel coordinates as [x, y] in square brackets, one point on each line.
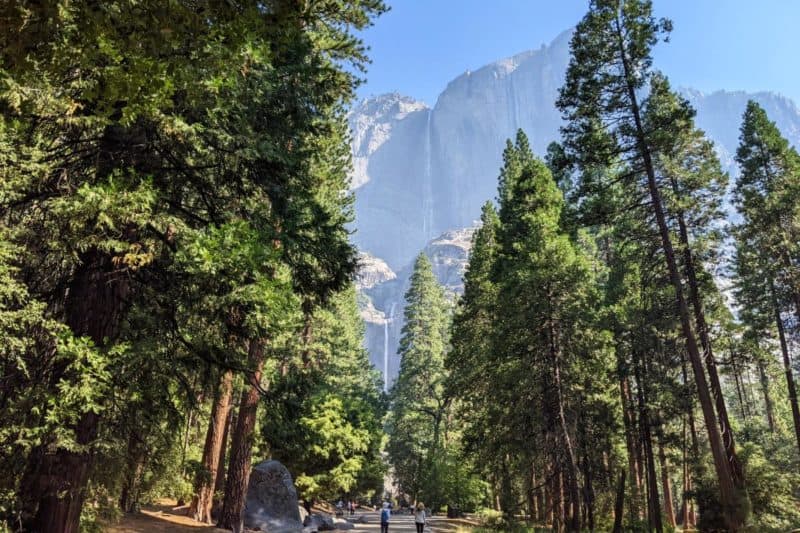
[167, 519]
[161, 519]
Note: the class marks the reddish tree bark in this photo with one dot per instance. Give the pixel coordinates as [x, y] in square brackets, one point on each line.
[52, 490]
[726, 431]
[631, 443]
[206, 479]
[653, 504]
[219, 483]
[666, 486]
[570, 481]
[242, 445]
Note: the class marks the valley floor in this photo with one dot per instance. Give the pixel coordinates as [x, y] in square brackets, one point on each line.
[168, 519]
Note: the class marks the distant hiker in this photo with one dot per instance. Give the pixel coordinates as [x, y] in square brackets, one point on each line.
[352, 507]
[385, 515]
[420, 519]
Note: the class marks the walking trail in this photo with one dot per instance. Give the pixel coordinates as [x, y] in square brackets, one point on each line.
[169, 519]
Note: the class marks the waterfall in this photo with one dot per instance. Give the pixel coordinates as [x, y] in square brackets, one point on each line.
[514, 115]
[427, 184]
[386, 320]
[385, 355]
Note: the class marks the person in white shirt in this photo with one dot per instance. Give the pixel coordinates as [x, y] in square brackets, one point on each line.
[420, 518]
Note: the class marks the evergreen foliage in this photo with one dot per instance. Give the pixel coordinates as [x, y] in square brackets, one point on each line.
[173, 203]
[420, 407]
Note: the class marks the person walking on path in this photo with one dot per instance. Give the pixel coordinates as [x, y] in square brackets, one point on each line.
[420, 518]
[385, 515]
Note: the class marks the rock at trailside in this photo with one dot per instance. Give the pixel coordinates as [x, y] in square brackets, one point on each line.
[321, 522]
[272, 500]
[341, 524]
[303, 513]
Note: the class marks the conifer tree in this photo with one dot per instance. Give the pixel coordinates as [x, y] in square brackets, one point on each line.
[548, 280]
[419, 403]
[323, 417]
[767, 196]
[602, 105]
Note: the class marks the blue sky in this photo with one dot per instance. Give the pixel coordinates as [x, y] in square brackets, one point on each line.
[420, 45]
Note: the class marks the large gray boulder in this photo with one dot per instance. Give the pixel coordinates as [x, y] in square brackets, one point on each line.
[271, 504]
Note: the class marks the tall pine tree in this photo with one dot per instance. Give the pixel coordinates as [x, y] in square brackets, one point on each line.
[419, 403]
[605, 124]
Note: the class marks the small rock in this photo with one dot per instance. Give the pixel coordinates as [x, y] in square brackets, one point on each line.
[303, 513]
[321, 522]
[342, 524]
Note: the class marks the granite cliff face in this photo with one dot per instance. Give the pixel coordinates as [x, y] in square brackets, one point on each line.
[420, 172]
[720, 115]
[382, 304]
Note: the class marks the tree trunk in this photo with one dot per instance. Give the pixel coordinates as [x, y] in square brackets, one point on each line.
[787, 364]
[541, 505]
[185, 447]
[653, 504]
[559, 512]
[219, 483]
[619, 504]
[52, 490]
[739, 381]
[726, 430]
[242, 445]
[769, 408]
[549, 499]
[631, 443]
[207, 477]
[571, 480]
[695, 449]
[129, 498]
[666, 486]
[589, 495]
[686, 480]
[495, 492]
[729, 498]
[696, 454]
[533, 511]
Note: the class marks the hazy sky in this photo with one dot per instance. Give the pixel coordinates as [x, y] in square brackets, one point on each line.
[420, 45]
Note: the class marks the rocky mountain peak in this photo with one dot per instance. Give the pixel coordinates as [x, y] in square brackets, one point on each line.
[371, 124]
